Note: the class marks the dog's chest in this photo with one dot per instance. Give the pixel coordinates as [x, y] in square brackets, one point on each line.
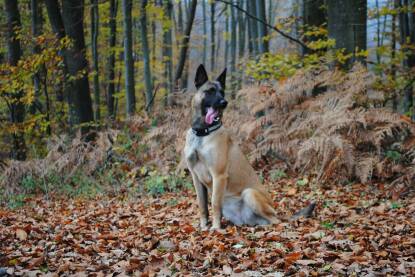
[196, 157]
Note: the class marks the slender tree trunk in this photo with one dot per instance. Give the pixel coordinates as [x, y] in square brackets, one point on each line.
[14, 52]
[80, 104]
[253, 27]
[146, 54]
[111, 58]
[128, 57]
[185, 74]
[262, 29]
[95, 58]
[395, 100]
[314, 16]
[180, 24]
[168, 48]
[406, 42]
[153, 49]
[226, 39]
[412, 57]
[204, 33]
[185, 41]
[212, 35]
[270, 12]
[377, 30]
[233, 40]
[36, 26]
[56, 22]
[347, 21]
[241, 32]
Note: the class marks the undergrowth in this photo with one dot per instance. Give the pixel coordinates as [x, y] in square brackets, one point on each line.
[321, 123]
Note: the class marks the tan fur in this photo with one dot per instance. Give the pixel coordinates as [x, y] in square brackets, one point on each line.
[218, 165]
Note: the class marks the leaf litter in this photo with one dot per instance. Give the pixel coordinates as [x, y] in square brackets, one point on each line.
[356, 229]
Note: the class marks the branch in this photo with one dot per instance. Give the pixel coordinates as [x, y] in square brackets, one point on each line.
[152, 98]
[266, 24]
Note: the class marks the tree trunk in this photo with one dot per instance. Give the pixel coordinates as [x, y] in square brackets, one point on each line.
[233, 40]
[14, 52]
[80, 104]
[347, 21]
[204, 33]
[128, 57]
[252, 24]
[212, 35]
[314, 16]
[241, 32]
[395, 99]
[56, 22]
[111, 58]
[406, 42]
[262, 29]
[185, 41]
[95, 58]
[168, 48]
[226, 38]
[36, 26]
[146, 54]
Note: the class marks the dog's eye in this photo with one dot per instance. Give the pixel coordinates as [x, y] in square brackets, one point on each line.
[210, 91]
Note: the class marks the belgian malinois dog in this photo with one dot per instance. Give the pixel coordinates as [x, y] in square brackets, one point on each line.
[217, 164]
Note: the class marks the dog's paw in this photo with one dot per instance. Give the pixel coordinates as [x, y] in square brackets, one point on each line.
[203, 227]
[215, 228]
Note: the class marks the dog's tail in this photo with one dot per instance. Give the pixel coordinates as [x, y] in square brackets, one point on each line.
[305, 212]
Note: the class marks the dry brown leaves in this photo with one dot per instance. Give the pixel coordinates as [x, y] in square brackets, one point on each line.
[356, 230]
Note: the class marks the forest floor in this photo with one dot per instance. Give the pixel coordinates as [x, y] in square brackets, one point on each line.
[356, 230]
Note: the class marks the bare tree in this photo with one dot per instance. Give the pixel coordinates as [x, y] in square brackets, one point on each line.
[111, 58]
[95, 58]
[128, 57]
[14, 52]
[184, 45]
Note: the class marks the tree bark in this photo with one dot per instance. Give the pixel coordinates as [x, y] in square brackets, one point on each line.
[14, 52]
[409, 61]
[128, 57]
[314, 16]
[111, 58]
[212, 35]
[146, 54]
[252, 24]
[233, 40]
[56, 22]
[262, 29]
[241, 32]
[168, 48]
[184, 45]
[347, 21]
[80, 104]
[36, 26]
[204, 33]
[95, 58]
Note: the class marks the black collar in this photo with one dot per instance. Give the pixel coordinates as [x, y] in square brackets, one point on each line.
[202, 132]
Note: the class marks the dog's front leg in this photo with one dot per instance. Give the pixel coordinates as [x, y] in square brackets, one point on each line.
[219, 186]
[202, 199]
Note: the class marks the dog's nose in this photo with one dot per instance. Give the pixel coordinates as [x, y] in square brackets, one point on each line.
[223, 103]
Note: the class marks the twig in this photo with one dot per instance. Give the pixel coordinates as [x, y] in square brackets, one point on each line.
[152, 98]
[266, 24]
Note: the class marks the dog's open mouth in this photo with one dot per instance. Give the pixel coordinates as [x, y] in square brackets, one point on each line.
[210, 116]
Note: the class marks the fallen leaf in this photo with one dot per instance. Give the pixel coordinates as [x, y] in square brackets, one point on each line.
[21, 234]
[291, 191]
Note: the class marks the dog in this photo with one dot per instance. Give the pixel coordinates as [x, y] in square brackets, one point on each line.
[218, 166]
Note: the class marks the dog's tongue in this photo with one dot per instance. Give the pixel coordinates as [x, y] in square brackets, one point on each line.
[210, 115]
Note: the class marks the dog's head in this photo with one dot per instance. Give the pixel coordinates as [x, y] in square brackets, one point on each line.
[209, 100]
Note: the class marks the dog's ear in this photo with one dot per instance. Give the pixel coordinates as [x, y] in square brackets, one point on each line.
[222, 79]
[201, 76]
